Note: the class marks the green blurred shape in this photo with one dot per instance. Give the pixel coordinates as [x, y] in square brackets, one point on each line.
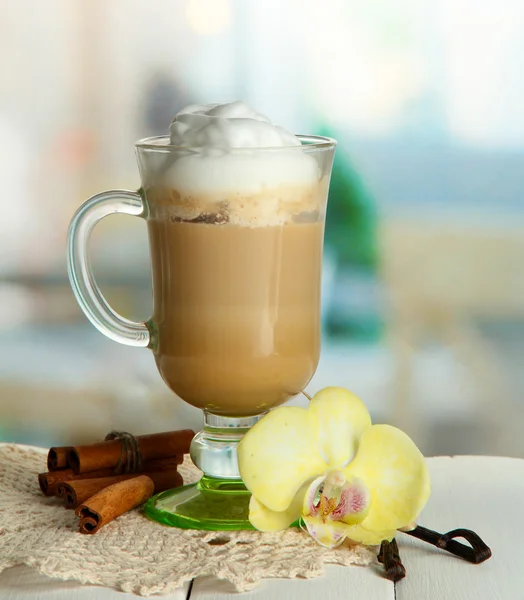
[351, 217]
[351, 235]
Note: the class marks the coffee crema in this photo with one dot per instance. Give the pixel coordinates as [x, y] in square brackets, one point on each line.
[287, 204]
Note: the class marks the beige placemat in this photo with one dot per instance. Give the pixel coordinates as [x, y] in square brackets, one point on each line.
[139, 556]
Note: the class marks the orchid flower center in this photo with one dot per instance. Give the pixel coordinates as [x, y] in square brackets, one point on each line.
[332, 504]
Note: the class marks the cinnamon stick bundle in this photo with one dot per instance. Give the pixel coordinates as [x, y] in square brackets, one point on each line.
[57, 458]
[77, 492]
[107, 455]
[50, 481]
[112, 502]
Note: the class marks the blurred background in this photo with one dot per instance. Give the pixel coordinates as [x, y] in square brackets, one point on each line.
[423, 274]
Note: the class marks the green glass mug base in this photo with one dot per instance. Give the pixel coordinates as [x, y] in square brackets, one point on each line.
[210, 504]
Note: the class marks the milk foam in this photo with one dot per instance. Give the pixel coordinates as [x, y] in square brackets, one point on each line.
[223, 134]
[231, 155]
[226, 126]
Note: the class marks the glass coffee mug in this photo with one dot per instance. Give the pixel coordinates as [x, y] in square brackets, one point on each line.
[235, 329]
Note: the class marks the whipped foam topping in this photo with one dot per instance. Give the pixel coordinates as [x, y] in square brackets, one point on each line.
[233, 125]
[229, 155]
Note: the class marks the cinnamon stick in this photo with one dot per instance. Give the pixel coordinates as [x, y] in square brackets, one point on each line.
[57, 458]
[77, 492]
[49, 482]
[106, 455]
[112, 502]
[59, 492]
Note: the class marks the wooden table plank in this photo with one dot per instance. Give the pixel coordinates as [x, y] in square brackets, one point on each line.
[485, 494]
[25, 583]
[338, 583]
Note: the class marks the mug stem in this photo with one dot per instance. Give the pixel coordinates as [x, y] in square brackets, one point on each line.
[214, 449]
[219, 501]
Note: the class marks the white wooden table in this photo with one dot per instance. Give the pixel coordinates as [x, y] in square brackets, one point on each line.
[485, 494]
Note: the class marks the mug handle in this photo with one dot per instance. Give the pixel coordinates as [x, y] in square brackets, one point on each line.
[86, 291]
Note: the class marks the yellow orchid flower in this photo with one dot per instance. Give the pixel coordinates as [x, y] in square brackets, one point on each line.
[328, 465]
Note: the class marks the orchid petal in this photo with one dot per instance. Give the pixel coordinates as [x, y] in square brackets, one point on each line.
[354, 503]
[329, 534]
[342, 418]
[396, 474]
[279, 454]
[362, 535]
[264, 519]
[311, 495]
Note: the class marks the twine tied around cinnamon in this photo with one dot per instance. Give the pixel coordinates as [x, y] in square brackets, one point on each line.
[130, 460]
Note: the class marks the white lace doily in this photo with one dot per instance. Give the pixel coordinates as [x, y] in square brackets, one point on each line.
[139, 556]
